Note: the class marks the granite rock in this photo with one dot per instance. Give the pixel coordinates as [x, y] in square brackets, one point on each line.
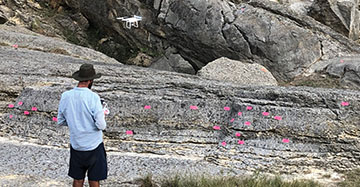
[228, 70]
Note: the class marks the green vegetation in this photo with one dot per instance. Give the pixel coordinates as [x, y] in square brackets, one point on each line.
[352, 179]
[150, 52]
[254, 181]
[36, 26]
[71, 36]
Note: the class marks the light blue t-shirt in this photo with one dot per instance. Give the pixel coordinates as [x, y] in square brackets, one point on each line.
[81, 110]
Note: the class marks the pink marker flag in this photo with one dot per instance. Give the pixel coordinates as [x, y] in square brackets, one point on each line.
[11, 106]
[216, 127]
[54, 119]
[15, 46]
[129, 132]
[147, 107]
[11, 116]
[239, 113]
[194, 107]
[232, 120]
[237, 134]
[278, 118]
[223, 143]
[34, 109]
[341, 61]
[227, 108]
[241, 142]
[20, 103]
[26, 112]
[249, 108]
[265, 113]
[344, 103]
[285, 140]
[248, 123]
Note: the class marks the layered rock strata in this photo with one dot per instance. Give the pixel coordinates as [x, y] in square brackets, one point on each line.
[282, 130]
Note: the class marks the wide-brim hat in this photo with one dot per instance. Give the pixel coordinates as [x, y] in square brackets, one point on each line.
[86, 72]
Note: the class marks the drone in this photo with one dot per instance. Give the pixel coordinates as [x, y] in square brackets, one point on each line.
[131, 21]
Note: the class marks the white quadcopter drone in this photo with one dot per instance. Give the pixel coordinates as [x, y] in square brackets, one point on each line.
[131, 21]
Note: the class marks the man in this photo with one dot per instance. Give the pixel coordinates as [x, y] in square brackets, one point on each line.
[81, 110]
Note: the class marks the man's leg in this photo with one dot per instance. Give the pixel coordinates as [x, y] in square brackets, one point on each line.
[94, 183]
[78, 183]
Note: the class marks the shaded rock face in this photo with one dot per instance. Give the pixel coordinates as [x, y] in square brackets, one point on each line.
[24, 38]
[202, 31]
[303, 128]
[342, 72]
[342, 16]
[172, 61]
[228, 70]
[3, 18]
[347, 69]
[55, 19]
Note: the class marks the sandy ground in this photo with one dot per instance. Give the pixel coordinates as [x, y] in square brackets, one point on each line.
[28, 164]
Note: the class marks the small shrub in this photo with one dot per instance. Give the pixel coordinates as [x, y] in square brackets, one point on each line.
[60, 51]
[147, 182]
[254, 181]
[352, 179]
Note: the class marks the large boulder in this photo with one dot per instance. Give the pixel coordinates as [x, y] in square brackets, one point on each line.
[341, 15]
[228, 70]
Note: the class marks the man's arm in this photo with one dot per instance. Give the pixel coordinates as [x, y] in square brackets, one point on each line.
[99, 115]
[61, 118]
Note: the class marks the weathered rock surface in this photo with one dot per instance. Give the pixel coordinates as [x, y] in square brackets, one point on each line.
[298, 6]
[50, 166]
[258, 32]
[202, 31]
[322, 133]
[228, 70]
[342, 16]
[172, 61]
[347, 69]
[343, 70]
[24, 38]
[55, 19]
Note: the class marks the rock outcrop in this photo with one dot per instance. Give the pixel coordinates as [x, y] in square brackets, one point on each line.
[342, 16]
[19, 37]
[346, 69]
[262, 32]
[202, 31]
[227, 128]
[228, 70]
[172, 61]
[55, 19]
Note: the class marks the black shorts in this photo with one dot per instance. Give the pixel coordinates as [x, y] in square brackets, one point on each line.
[94, 162]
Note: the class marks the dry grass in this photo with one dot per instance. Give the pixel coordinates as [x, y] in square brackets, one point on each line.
[352, 179]
[4, 44]
[59, 51]
[254, 181]
[316, 80]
